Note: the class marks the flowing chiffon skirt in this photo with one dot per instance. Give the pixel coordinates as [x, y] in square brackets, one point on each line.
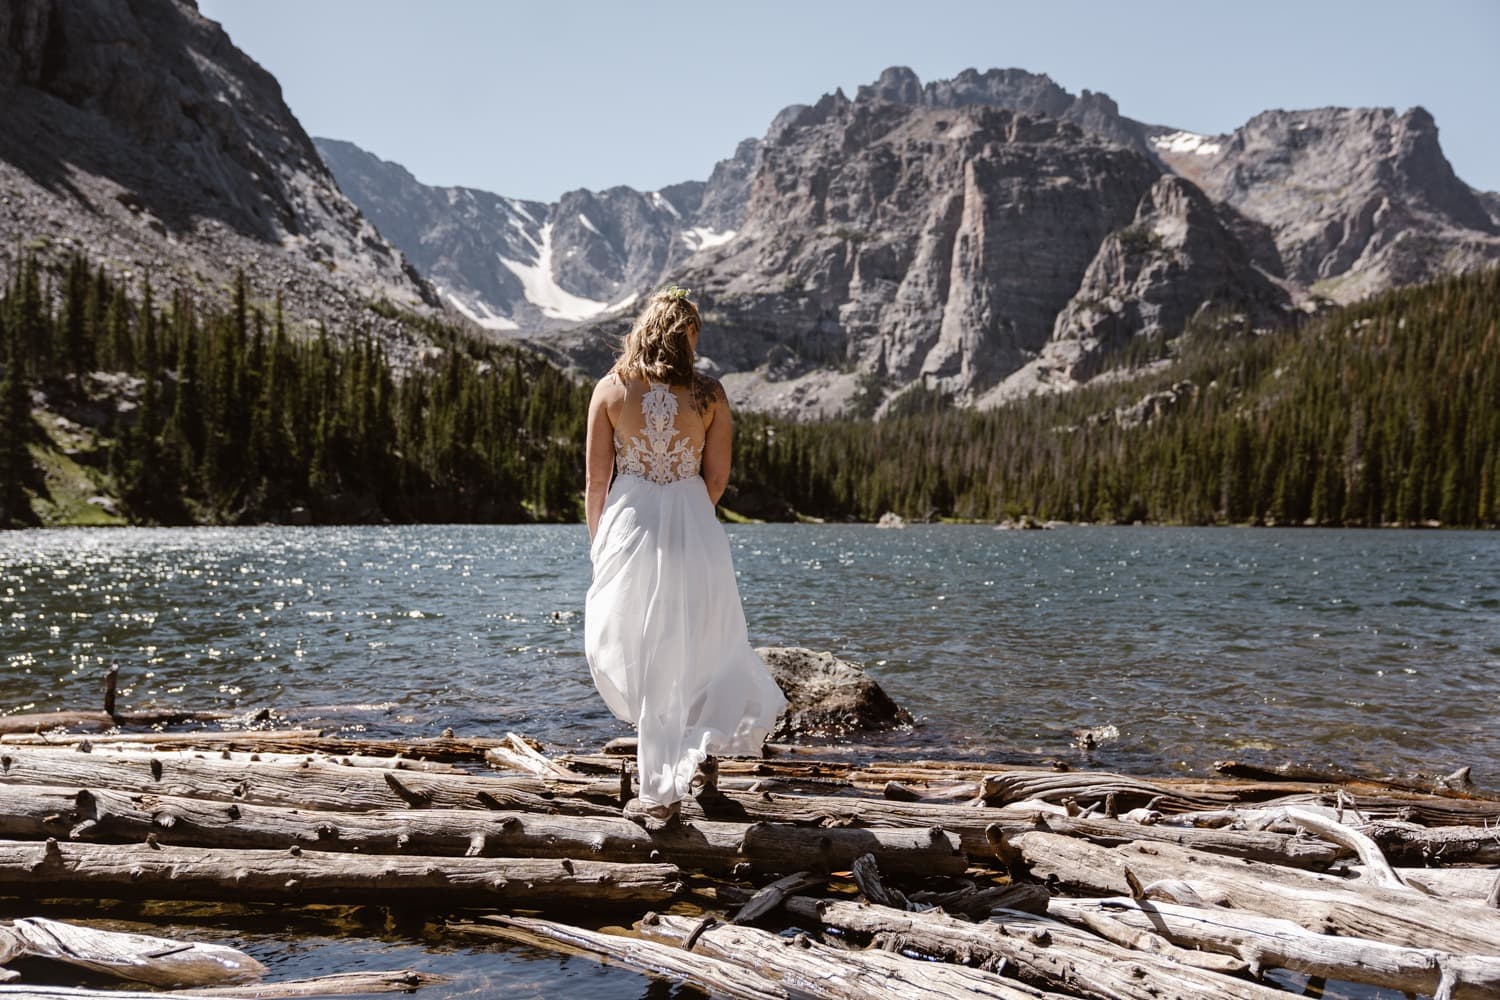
[664, 632]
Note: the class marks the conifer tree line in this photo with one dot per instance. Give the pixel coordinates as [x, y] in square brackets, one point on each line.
[1382, 413]
[236, 421]
[1386, 412]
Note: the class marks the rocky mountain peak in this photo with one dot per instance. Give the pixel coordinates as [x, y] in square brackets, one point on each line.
[139, 131]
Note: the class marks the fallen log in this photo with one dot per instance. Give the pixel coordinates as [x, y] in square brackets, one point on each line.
[807, 968]
[104, 815]
[140, 958]
[439, 749]
[50, 869]
[1269, 943]
[1321, 903]
[137, 751]
[1407, 844]
[311, 786]
[339, 984]
[711, 974]
[1273, 848]
[1458, 784]
[1042, 952]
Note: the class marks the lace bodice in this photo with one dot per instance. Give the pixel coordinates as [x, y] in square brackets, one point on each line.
[658, 453]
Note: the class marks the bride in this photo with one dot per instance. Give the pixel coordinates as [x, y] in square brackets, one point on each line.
[663, 627]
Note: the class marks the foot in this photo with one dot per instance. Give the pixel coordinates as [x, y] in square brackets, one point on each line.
[652, 815]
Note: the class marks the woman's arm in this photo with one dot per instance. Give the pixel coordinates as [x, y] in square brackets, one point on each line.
[599, 461]
[718, 443]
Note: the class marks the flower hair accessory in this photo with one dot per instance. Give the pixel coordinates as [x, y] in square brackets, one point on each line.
[676, 293]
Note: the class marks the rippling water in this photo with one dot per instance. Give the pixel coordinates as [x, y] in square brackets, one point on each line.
[1374, 650]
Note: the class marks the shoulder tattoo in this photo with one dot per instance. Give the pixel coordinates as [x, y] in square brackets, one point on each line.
[706, 391]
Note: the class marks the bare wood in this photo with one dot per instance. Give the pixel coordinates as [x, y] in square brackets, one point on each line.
[1458, 784]
[718, 977]
[139, 751]
[104, 815]
[1321, 903]
[972, 901]
[140, 958]
[1408, 844]
[1274, 848]
[770, 897]
[1467, 885]
[1089, 788]
[314, 786]
[446, 749]
[1378, 869]
[1270, 943]
[807, 968]
[1043, 952]
[514, 753]
[339, 984]
[133, 871]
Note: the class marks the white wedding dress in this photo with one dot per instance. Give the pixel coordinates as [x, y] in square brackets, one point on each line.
[663, 627]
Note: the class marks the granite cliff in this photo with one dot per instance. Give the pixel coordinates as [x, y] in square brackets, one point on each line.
[138, 133]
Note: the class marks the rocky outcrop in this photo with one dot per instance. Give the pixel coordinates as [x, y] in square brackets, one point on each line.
[1356, 199]
[827, 696]
[139, 132]
[908, 243]
[536, 267]
[1179, 261]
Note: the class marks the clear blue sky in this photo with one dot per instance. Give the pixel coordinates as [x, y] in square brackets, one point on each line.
[533, 99]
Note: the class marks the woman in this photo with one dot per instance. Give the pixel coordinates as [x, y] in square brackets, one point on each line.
[663, 627]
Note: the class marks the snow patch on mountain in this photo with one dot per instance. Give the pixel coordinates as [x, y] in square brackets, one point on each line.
[588, 225]
[543, 291]
[484, 316]
[702, 237]
[1186, 142]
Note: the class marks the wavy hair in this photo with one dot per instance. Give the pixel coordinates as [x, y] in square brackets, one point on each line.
[657, 347]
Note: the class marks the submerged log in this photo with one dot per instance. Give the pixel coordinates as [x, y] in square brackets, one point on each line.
[339, 984]
[58, 870]
[710, 974]
[108, 816]
[807, 968]
[1271, 943]
[1322, 903]
[140, 958]
[1040, 951]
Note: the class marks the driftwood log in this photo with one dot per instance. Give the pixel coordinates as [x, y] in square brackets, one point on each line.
[1040, 951]
[341, 984]
[806, 968]
[707, 973]
[139, 958]
[51, 869]
[1321, 903]
[102, 816]
[1268, 943]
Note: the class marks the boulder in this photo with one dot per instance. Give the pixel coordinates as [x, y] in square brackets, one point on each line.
[827, 696]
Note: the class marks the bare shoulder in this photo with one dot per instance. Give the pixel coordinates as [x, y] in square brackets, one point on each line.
[707, 392]
[610, 388]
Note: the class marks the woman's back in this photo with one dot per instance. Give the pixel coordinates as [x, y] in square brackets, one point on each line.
[660, 430]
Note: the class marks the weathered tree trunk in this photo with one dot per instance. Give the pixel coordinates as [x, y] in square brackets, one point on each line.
[1270, 943]
[711, 974]
[1273, 848]
[807, 968]
[1406, 844]
[1043, 952]
[1321, 903]
[444, 749]
[108, 816]
[341, 984]
[139, 958]
[50, 869]
[311, 786]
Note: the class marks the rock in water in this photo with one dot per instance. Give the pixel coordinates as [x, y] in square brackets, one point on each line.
[827, 696]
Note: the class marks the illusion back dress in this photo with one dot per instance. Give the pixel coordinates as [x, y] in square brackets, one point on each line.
[663, 627]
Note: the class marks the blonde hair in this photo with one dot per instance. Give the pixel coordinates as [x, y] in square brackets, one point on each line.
[658, 347]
